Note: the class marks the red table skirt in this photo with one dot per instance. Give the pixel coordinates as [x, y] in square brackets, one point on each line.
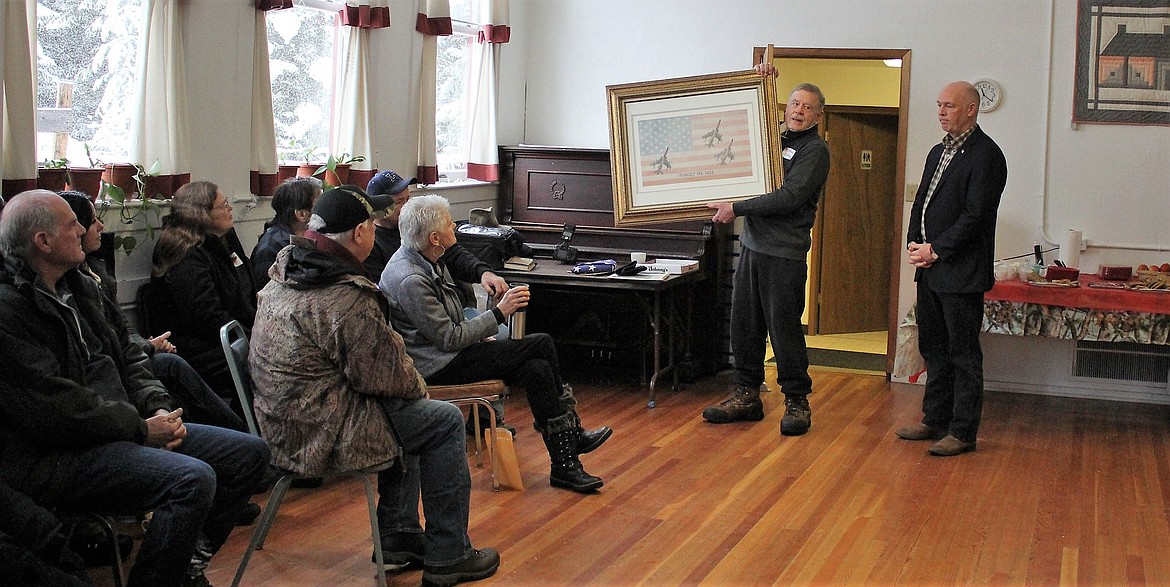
[1082, 297]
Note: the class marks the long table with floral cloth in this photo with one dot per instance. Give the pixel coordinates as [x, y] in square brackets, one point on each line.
[1084, 312]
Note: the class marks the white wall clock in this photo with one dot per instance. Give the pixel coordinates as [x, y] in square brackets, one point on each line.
[990, 94]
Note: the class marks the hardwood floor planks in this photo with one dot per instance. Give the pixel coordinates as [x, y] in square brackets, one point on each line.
[1060, 492]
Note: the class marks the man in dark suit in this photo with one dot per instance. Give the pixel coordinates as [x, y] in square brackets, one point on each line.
[951, 241]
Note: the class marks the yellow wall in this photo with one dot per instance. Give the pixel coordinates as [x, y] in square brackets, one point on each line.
[845, 82]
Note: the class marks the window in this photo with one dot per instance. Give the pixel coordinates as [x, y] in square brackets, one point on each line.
[300, 59]
[87, 54]
[452, 82]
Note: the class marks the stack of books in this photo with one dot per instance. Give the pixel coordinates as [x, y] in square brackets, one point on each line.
[520, 264]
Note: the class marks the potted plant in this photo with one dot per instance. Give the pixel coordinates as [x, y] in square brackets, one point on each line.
[87, 180]
[52, 174]
[152, 185]
[122, 175]
[308, 168]
[336, 169]
[130, 213]
[284, 169]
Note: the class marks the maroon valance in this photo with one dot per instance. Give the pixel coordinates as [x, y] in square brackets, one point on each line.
[428, 174]
[366, 16]
[439, 26]
[495, 33]
[483, 171]
[267, 5]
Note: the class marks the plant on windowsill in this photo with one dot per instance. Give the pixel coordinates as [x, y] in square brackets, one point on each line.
[336, 169]
[130, 213]
[53, 174]
[87, 180]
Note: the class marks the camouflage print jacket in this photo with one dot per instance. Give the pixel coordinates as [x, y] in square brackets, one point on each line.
[322, 354]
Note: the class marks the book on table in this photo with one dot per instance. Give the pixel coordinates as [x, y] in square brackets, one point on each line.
[520, 263]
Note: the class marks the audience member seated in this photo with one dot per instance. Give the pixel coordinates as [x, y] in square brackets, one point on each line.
[292, 203]
[465, 267]
[86, 426]
[34, 551]
[201, 268]
[200, 404]
[335, 384]
[449, 348]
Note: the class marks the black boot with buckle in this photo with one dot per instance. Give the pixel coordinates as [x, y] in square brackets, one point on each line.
[561, 438]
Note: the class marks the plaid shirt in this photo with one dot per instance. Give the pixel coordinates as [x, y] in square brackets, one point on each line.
[951, 146]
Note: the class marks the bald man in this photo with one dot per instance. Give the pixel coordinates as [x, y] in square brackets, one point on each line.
[951, 242]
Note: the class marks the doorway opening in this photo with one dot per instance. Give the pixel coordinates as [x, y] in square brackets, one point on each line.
[852, 301]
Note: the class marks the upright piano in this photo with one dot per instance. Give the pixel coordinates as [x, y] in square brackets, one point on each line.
[606, 331]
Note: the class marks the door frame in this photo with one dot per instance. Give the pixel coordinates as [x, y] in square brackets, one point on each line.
[903, 125]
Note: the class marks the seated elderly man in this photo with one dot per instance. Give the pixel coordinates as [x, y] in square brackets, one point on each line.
[84, 424]
[334, 384]
[449, 348]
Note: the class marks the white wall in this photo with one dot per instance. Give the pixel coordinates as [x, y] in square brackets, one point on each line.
[1111, 182]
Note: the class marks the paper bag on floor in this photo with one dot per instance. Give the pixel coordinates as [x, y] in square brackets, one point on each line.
[508, 469]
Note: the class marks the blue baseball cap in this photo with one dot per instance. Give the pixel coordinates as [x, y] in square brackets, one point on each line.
[388, 182]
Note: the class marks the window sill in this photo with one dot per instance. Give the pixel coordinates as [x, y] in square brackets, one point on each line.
[456, 184]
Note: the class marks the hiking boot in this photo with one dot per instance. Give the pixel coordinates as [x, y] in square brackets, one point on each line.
[480, 565]
[920, 432]
[403, 550]
[797, 416]
[950, 446]
[742, 405]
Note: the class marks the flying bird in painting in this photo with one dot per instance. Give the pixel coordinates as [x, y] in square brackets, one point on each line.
[661, 163]
[726, 154]
[714, 136]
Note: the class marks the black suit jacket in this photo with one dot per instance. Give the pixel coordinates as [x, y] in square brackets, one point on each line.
[960, 220]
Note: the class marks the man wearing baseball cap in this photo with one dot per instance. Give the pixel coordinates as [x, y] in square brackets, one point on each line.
[326, 383]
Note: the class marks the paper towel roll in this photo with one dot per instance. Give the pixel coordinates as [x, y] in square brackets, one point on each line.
[1070, 248]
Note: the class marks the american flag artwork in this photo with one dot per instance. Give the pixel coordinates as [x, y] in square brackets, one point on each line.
[697, 147]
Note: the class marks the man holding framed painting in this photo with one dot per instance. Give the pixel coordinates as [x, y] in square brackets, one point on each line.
[769, 289]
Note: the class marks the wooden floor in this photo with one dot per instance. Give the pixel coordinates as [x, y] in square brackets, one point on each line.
[1060, 492]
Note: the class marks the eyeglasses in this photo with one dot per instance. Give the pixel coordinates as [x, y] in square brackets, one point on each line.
[226, 205]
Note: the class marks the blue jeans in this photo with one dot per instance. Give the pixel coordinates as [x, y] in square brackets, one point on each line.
[187, 388]
[435, 459]
[197, 489]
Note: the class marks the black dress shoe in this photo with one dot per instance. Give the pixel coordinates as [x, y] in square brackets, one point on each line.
[480, 565]
[403, 550]
[248, 514]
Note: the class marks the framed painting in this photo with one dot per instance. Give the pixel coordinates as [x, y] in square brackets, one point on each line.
[680, 144]
[1123, 62]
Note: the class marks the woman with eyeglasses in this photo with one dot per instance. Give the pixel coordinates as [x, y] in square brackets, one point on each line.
[202, 280]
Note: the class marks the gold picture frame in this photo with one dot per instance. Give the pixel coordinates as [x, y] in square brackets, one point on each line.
[677, 145]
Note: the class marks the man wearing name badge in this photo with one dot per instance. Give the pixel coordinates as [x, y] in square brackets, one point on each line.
[768, 296]
[951, 242]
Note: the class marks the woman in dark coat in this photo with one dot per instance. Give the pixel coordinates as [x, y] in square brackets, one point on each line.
[202, 280]
[293, 205]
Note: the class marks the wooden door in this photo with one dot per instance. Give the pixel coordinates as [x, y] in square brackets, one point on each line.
[853, 236]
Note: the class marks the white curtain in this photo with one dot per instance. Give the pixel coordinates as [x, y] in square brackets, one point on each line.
[18, 128]
[159, 129]
[262, 160]
[351, 128]
[434, 20]
[483, 158]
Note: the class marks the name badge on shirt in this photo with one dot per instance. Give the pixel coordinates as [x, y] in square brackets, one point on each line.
[788, 153]
[236, 262]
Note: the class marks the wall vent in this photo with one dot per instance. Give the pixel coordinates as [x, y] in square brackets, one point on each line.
[1125, 361]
